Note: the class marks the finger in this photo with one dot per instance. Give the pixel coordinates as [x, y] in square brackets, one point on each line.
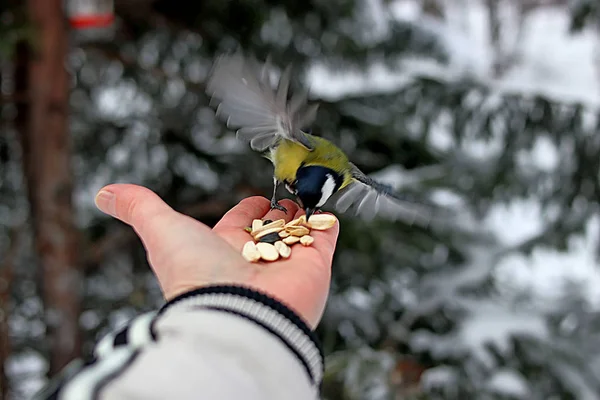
[231, 226]
[326, 241]
[292, 209]
[307, 274]
[175, 243]
[243, 214]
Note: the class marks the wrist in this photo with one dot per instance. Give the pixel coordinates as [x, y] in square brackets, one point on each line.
[264, 310]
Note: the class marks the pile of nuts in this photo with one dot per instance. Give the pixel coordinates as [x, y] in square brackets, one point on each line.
[272, 239]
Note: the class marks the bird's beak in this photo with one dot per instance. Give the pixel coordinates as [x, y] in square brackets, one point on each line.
[309, 212]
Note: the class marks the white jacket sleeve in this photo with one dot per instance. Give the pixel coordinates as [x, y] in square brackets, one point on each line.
[219, 342]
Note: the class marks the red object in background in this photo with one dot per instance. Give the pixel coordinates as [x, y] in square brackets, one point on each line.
[87, 14]
[92, 21]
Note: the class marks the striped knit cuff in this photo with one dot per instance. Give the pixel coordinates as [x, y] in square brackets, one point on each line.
[266, 312]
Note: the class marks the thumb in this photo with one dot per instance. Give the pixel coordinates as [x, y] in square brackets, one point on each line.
[136, 206]
[182, 252]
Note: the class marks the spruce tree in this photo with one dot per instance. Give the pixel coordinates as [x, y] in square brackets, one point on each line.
[415, 312]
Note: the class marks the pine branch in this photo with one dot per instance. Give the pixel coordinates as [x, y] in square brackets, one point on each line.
[110, 53]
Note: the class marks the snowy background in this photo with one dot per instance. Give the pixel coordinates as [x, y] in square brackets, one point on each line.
[131, 104]
[553, 62]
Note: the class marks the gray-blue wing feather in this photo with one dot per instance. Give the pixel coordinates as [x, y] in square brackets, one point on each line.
[368, 198]
[244, 97]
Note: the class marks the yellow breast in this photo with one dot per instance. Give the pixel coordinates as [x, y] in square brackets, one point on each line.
[288, 156]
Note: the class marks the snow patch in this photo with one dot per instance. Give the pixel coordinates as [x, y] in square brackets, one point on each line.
[508, 383]
[490, 323]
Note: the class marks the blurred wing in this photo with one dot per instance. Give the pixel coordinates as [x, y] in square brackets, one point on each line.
[368, 198]
[246, 100]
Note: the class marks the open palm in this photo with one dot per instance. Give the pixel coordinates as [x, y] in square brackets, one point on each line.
[186, 254]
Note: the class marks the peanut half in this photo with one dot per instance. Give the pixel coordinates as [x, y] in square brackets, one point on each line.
[296, 222]
[268, 252]
[284, 250]
[321, 222]
[250, 252]
[291, 240]
[256, 224]
[298, 231]
[307, 240]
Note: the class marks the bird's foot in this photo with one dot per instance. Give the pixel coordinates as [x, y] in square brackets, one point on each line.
[276, 206]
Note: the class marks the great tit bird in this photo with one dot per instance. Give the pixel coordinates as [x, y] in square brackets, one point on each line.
[312, 168]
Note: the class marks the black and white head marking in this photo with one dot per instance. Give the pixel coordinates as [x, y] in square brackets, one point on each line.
[328, 188]
[291, 188]
[315, 184]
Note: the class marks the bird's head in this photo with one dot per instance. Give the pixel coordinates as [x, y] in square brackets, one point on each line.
[314, 185]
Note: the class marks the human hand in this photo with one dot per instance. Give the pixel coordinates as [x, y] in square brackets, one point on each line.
[186, 254]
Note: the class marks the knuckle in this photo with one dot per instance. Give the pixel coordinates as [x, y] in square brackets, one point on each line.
[253, 200]
[138, 214]
[288, 201]
[132, 212]
[247, 200]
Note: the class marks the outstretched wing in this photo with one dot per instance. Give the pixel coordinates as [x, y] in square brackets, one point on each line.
[246, 100]
[369, 198]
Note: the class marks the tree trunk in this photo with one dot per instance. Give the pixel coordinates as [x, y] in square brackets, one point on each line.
[46, 159]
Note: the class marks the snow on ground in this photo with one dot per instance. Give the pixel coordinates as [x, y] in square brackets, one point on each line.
[553, 63]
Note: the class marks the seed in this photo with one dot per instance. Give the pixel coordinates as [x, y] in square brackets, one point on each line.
[270, 224]
[269, 238]
[291, 240]
[275, 224]
[298, 231]
[321, 222]
[264, 232]
[284, 250]
[250, 252]
[283, 234]
[267, 221]
[296, 222]
[267, 251]
[307, 240]
[256, 224]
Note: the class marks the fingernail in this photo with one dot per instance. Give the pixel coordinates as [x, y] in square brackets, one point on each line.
[107, 202]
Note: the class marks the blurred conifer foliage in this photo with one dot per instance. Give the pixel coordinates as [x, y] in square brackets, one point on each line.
[414, 313]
